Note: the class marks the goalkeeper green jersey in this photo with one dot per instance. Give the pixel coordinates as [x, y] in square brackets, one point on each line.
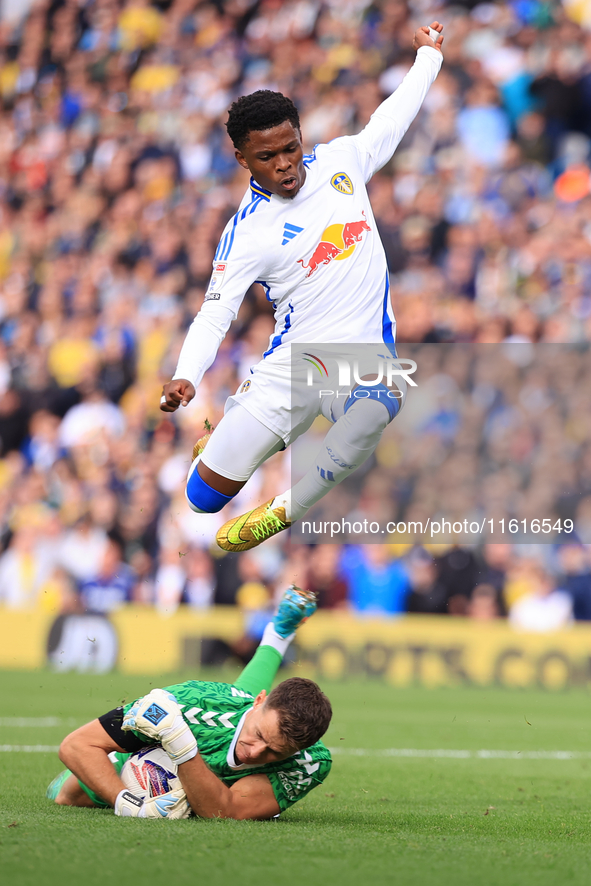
[215, 713]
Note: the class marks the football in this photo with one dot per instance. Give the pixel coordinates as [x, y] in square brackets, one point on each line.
[151, 773]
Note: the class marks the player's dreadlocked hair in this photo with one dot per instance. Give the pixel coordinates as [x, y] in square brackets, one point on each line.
[304, 711]
[261, 110]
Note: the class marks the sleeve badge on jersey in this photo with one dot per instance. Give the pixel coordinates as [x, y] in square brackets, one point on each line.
[219, 271]
[342, 183]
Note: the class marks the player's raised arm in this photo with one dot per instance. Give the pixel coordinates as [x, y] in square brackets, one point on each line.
[389, 123]
[235, 268]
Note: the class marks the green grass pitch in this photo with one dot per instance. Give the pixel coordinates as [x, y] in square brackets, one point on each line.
[410, 821]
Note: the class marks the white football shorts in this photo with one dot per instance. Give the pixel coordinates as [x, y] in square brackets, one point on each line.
[282, 401]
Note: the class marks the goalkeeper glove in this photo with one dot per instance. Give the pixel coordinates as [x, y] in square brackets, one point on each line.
[158, 716]
[171, 805]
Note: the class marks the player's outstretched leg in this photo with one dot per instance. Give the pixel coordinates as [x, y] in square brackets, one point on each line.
[295, 606]
[350, 442]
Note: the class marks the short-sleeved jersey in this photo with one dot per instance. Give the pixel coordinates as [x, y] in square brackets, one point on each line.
[215, 712]
[317, 255]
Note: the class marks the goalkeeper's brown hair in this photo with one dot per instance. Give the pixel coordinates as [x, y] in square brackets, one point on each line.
[304, 711]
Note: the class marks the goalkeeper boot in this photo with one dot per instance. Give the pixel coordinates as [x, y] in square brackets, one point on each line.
[249, 530]
[56, 785]
[295, 607]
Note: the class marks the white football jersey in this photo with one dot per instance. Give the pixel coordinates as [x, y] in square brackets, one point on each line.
[318, 255]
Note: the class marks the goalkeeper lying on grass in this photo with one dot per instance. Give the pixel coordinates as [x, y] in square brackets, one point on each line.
[241, 753]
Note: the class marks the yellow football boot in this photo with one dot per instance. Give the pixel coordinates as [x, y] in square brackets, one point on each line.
[202, 441]
[200, 445]
[249, 530]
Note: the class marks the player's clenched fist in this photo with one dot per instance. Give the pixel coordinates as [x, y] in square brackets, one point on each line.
[425, 36]
[178, 392]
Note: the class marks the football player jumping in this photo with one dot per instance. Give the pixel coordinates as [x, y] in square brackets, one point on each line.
[305, 231]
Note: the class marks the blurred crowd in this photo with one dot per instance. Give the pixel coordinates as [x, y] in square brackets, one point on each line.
[116, 181]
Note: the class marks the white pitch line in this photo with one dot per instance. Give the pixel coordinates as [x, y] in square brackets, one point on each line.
[36, 722]
[384, 752]
[29, 748]
[462, 754]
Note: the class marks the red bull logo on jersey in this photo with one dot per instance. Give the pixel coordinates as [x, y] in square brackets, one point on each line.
[337, 243]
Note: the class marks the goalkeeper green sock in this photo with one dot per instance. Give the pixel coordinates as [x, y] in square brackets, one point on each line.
[260, 672]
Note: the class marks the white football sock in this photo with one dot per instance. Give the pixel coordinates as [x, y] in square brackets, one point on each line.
[272, 638]
[350, 442]
[283, 501]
